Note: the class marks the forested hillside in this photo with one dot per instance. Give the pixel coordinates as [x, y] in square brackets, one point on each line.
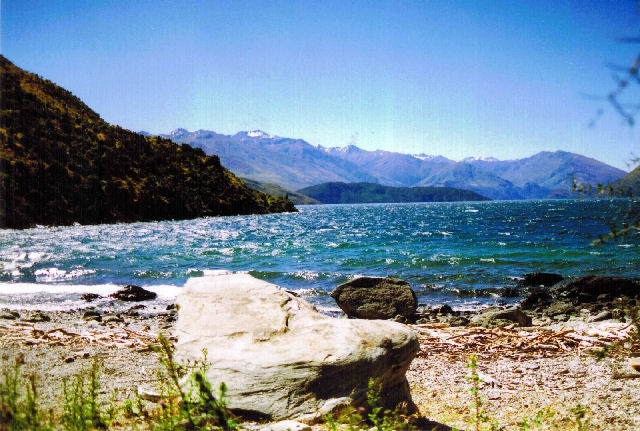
[353, 193]
[61, 163]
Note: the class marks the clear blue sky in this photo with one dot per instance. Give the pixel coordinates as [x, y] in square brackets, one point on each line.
[456, 78]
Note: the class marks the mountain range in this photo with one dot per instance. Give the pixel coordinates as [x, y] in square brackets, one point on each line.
[295, 164]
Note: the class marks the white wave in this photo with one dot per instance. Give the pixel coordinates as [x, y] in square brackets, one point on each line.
[471, 211]
[9, 289]
[55, 274]
[207, 272]
[492, 260]
[307, 275]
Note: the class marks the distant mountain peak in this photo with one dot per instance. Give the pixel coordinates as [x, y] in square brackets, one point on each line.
[349, 149]
[480, 159]
[179, 132]
[255, 134]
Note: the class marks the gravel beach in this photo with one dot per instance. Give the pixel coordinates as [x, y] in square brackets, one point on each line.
[519, 382]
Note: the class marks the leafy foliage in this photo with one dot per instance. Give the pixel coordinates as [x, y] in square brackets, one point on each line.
[61, 163]
[343, 193]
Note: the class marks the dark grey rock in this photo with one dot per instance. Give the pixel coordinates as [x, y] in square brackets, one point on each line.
[458, 321]
[92, 315]
[90, 296]
[583, 288]
[38, 316]
[545, 279]
[509, 292]
[537, 298]
[376, 298]
[559, 307]
[444, 309]
[133, 293]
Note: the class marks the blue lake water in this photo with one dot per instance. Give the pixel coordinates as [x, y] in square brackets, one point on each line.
[459, 253]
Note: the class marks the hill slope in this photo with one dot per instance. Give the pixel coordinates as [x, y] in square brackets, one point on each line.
[629, 184]
[276, 190]
[61, 163]
[355, 193]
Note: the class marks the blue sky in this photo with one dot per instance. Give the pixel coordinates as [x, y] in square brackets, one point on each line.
[456, 78]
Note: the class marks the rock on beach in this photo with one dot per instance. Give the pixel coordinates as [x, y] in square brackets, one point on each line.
[376, 298]
[280, 358]
[133, 293]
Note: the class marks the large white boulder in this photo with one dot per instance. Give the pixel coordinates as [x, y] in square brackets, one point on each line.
[280, 358]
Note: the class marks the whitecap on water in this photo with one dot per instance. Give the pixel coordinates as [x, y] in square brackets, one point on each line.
[490, 259]
[55, 274]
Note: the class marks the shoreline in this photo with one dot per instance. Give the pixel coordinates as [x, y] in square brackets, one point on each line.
[525, 370]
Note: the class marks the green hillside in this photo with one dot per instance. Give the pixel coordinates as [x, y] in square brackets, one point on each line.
[629, 184]
[276, 190]
[61, 163]
[352, 193]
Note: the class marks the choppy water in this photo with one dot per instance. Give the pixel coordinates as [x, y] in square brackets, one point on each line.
[458, 253]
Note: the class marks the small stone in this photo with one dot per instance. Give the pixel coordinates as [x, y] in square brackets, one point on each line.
[90, 296]
[635, 363]
[69, 359]
[171, 307]
[149, 394]
[288, 425]
[38, 316]
[445, 309]
[601, 316]
[458, 321]
[7, 316]
[92, 315]
[112, 318]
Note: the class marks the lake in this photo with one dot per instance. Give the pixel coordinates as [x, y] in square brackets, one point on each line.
[461, 253]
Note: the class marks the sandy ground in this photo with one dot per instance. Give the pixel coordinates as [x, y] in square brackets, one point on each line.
[521, 377]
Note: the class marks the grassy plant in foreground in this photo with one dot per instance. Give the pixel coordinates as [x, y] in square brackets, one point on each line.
[480, 415]
[192, 406]
[19, 412]
[81, 410]
[363, 419]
